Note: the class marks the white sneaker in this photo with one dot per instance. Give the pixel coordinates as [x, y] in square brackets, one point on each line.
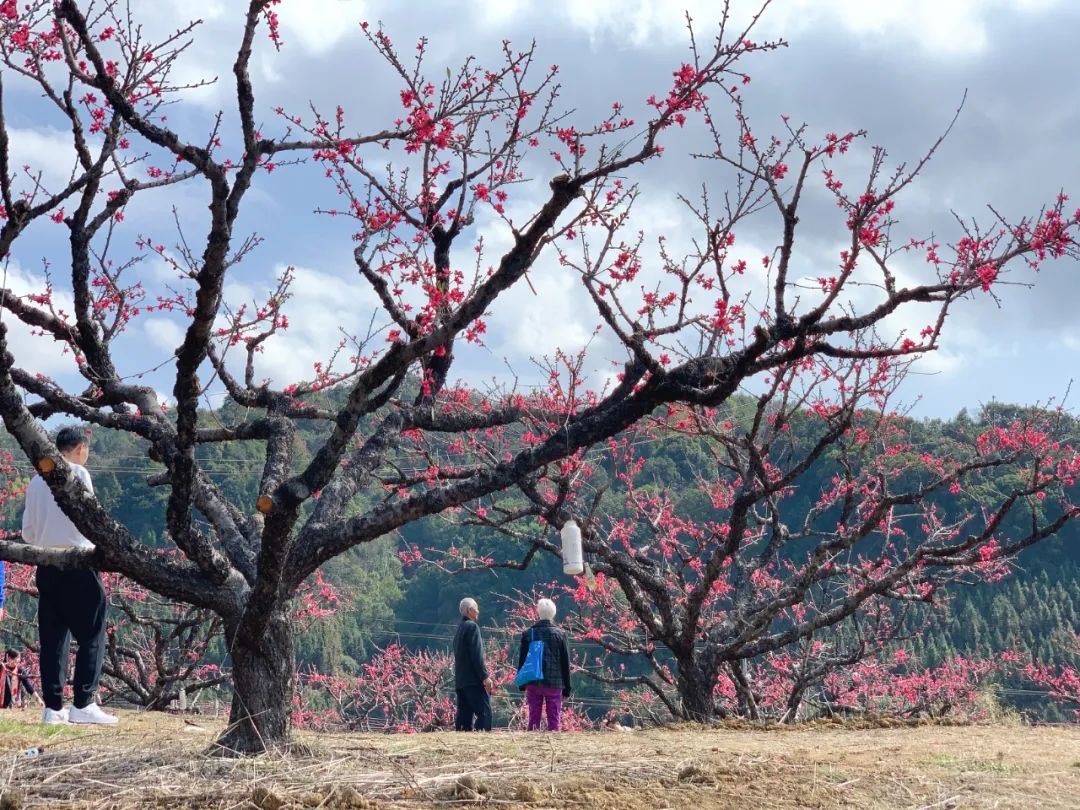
[91, 713]
[52, 717]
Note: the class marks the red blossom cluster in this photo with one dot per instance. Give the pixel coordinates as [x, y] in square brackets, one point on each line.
[396, 690]
[317, 599]
[407, 691]
[1061, 681]
[957, 688]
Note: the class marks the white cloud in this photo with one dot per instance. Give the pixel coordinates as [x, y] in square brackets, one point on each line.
[1070, 340]
[555, 316]
[44, 149]
[937, 26]
[163, 333]
[321, 25]
[494, 14]
[323, 309]
[270, 68]
[308, 27]
[34, 353]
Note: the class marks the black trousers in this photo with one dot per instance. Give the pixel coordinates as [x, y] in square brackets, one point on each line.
[70, 603]
[473, 701]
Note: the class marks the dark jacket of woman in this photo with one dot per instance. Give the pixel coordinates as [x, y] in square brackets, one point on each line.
[556, 655]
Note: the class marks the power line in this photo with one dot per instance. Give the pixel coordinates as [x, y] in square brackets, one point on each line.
[439, 637]
[235, 464]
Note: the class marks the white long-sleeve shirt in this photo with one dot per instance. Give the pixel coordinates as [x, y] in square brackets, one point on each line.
[43, 523]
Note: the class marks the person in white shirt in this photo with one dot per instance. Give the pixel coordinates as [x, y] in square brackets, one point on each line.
[71, 602]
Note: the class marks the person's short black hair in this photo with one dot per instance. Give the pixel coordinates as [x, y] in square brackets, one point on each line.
[69, 438]
[11, 655]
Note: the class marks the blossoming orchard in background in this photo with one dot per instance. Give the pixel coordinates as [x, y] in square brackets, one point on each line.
[737, 586]
[156, 648]
[692, 326]
[1062, 682]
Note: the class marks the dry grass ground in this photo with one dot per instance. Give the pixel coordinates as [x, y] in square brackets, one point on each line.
[159, 761]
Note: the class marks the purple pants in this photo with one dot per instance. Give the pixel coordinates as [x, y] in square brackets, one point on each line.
[537, 696]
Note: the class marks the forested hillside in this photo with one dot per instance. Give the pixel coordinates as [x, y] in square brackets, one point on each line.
[1029, 611]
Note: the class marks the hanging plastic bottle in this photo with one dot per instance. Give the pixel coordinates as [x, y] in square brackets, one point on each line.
[573, 561]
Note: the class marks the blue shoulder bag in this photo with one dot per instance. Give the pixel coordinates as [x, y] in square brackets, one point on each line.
[533, 668]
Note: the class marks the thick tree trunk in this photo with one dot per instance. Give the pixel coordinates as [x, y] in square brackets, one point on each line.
[696, 692]
[794, 701]
[263, 675]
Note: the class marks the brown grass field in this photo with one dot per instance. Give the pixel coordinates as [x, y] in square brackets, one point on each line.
[160, 761]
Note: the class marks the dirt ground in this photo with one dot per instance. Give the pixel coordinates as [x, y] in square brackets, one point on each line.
[160, 761]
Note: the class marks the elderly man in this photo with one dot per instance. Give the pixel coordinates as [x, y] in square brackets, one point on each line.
[471, 679]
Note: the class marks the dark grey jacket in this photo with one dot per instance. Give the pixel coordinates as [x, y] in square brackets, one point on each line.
[469, 667]
[556, 654]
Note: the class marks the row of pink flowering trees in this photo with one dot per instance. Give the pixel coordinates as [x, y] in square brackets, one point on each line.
[156, 648]
[403, 690]
[863, 668]
[691, 322]
[1062, 682]
[749, 595]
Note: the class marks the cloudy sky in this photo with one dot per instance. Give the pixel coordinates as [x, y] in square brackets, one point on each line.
[898, 69]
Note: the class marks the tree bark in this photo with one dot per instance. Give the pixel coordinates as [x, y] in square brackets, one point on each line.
[696, 692]
[744, 690]
[263, 675]
[794, 701]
